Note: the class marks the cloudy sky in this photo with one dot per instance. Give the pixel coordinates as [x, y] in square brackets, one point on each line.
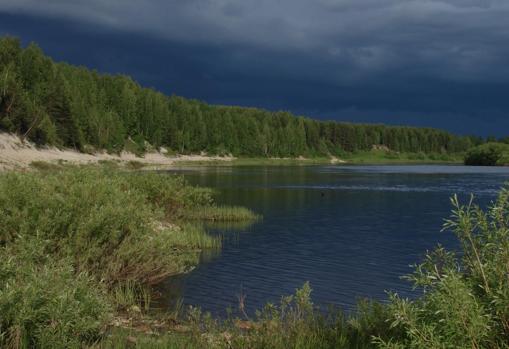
[440, 63]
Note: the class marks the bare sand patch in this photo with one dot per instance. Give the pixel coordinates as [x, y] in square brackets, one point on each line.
[18, 154]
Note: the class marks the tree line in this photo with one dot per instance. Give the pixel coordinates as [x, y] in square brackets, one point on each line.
[64, 105]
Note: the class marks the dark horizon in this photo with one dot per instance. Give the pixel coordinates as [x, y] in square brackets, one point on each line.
[413, 72]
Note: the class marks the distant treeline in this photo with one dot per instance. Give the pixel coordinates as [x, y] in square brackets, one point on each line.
[64, 105]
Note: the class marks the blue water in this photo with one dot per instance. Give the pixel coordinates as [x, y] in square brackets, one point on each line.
[351, 231]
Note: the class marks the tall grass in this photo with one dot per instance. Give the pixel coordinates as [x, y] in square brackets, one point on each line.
[44, 303]
[181, 201]
[293, 323]
[221, 214]
[77, 244]
[92, 217]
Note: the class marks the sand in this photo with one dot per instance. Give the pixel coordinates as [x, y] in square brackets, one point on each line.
[18, 154]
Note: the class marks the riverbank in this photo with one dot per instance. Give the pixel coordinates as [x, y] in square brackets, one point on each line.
[80, 247]
[21, 154]
[372, 157]
[16, 154]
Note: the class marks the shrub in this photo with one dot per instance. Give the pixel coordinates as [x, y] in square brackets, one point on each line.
[76, 243]
[489, 154]
[104, 220]
[44, 303]
[466, 296]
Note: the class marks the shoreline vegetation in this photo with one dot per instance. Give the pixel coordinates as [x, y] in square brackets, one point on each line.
[368, 157]
[489, 154]
[81, 246]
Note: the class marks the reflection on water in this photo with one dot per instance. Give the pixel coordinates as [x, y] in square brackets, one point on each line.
[351, 231]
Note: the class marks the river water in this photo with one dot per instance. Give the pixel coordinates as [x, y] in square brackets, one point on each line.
[351, 231]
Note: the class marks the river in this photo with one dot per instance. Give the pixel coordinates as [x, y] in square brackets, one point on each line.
[351, 231]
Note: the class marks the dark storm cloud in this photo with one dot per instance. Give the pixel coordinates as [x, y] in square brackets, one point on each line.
[456, 39]
[440, 63]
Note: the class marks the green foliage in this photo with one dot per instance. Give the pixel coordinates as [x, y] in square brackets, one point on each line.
[44, 303]
[489, 154]
[135, 165]
[466, 298]
[78, 243]
[71, 106]
[110, 223]
[221, 214]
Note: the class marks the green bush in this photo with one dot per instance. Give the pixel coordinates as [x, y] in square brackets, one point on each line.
[489, 154]
[466, 296]
[104, 220]
[69, 237]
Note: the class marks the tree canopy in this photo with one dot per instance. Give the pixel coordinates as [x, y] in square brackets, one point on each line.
[64, 105]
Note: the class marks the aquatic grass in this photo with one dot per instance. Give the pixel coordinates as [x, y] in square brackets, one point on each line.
[293, 323]
[132, 295]
[193, 236]
[380, 156]
[221, 214]
[373, 156]
[181, 201]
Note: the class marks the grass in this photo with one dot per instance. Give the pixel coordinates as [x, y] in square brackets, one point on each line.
[379, 156]
[78, 244]
[44, 165]
[134, 165]
[222, 214]
[194, 237]
[360, 157]
[44, 302]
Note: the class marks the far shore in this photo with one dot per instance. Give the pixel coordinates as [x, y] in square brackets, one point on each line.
[18, 154]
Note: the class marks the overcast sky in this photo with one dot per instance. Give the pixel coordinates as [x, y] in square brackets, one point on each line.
[440, 63]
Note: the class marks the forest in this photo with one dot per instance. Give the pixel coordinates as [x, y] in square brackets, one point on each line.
[59, 104]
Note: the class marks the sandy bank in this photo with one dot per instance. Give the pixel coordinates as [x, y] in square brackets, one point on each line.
[18, 154]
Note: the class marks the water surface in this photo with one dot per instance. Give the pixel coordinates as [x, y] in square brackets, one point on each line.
[351, 231]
